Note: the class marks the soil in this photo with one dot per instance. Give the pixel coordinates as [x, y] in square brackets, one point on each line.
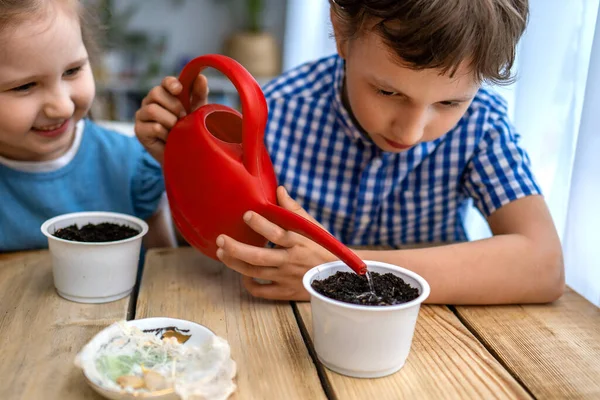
[353, 288]
[96, 233]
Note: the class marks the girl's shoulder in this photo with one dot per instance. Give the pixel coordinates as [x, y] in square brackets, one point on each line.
[107, 135]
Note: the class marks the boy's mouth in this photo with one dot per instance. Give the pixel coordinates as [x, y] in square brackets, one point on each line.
[53, 130]
[396, 145]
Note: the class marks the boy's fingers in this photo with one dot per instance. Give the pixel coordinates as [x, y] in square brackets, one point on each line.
[158, 114]
[200, 92]
[248, 270]
[150, 132]
[259, 256]
[159, 96]
[270, 231]
[172, 85]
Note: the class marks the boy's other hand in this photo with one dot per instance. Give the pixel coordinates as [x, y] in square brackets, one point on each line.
[284, 265]
[160, 111]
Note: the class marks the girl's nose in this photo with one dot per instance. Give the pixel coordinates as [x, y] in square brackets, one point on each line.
[59, 104]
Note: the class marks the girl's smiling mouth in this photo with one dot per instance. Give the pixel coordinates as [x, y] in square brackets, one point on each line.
[52, 131]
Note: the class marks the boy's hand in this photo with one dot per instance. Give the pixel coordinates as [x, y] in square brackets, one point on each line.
[160, 111]
[284, 266]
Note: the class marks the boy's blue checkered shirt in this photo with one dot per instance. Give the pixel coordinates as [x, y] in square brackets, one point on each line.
[365, 196]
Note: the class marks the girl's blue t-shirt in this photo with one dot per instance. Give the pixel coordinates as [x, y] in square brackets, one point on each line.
[108, 172]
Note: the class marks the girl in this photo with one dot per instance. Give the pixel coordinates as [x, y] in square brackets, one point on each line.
[52, 159]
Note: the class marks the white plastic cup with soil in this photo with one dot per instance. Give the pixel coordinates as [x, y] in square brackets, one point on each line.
[94, 272]
[363, 341]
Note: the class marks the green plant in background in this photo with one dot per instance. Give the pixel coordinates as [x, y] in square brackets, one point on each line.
[115, 26]
[252, 14]
[254, 8]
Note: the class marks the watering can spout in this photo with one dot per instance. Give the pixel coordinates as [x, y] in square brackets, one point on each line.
[295, 223]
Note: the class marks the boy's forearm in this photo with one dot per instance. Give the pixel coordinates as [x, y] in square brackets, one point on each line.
[499, 270]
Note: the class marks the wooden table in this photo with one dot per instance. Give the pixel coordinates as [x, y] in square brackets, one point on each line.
[496, 352]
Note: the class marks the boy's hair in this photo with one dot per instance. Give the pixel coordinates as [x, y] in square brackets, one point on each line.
[14, 12]
[441, 34]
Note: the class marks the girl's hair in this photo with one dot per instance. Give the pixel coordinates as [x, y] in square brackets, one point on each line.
[14, 12]
[441, 34]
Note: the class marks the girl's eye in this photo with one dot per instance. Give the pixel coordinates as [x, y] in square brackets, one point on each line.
[24, 88]
[450, 103]
[72, 71]
[386, 93]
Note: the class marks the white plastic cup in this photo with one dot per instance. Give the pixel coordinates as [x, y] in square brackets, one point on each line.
[94, 272]
[358, 340]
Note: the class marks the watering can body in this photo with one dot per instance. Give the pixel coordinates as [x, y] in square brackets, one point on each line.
[213, 188]
[217, 168]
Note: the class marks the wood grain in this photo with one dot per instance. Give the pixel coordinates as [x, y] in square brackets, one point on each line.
[40, 332]
[553, 349]
[445, 362]
[266, 342]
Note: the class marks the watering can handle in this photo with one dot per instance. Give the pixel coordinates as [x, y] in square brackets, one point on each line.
[254, 106]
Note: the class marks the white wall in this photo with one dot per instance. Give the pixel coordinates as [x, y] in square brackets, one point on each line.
[582, 252]
[307, 32]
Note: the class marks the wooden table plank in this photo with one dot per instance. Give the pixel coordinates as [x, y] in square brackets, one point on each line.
[266, 342]
[40, 332]
[553, 349]
[445, 362]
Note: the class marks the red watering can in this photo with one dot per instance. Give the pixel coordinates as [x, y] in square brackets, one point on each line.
[217, 167]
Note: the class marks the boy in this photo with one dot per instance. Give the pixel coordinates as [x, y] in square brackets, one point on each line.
[386, 142]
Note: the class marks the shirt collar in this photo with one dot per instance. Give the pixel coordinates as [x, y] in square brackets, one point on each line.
[50, 165]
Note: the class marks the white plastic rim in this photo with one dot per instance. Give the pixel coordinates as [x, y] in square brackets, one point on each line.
[314, 273]
[93, 217]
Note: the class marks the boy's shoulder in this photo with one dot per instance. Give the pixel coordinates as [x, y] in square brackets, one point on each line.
[487, 120]
[312, 79]
[489, 103]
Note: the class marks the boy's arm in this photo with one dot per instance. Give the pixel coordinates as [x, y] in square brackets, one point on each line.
[521, 263]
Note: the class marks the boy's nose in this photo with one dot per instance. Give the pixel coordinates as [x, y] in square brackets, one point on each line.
[409, 130]
[59, 103]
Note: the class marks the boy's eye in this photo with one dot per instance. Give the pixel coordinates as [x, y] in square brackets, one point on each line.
[23, 88]
[450, 103]
[72, 71]
[386, 93]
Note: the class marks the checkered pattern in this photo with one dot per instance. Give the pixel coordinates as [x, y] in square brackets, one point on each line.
[365, 196]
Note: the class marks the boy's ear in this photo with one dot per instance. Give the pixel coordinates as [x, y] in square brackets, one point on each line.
[340, 44]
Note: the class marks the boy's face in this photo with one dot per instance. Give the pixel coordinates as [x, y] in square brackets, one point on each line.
[396, 106]
[46, 86]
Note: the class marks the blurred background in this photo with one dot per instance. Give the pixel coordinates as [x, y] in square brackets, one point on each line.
[555, 102]
[144, 40]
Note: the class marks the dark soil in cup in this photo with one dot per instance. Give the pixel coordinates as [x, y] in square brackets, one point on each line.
[353, 288]
[96, 233]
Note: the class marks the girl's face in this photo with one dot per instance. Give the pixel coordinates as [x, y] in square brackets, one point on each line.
[46, 86]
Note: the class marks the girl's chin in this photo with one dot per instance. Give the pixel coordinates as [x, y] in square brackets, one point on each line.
[48, 151]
